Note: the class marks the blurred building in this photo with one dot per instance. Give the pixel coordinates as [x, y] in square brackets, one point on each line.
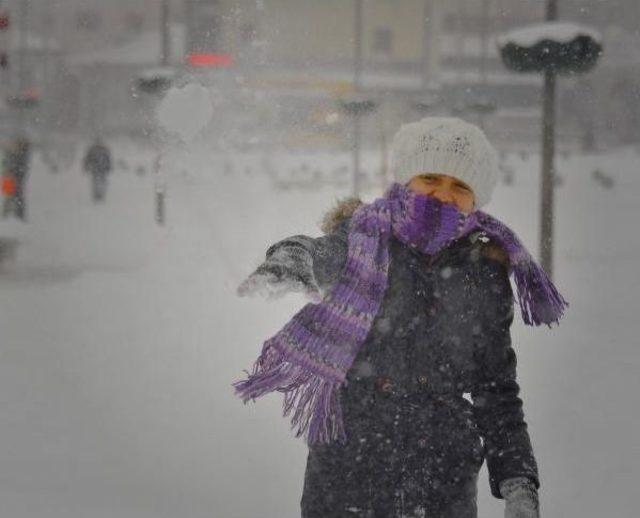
[293, 61]
[421, 56]
[396, 36]
[85, 25]
[108, 97]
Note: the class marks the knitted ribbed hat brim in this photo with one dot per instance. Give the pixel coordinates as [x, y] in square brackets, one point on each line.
[446, 145]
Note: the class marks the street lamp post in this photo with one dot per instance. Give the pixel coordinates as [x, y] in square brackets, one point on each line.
[427, 25]
[356, 107]
[548, 155]
[550, 48]
[22, 62]
[165, 58]
[484, 54]
[357, 78]
[165, 34]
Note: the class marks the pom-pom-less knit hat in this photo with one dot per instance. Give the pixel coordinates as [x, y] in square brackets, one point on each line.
[446, 145]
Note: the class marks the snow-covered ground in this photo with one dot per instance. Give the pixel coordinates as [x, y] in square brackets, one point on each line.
[120, 341]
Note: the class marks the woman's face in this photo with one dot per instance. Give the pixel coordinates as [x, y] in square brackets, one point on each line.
[445, 188]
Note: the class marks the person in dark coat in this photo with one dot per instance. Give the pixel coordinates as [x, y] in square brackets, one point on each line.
[97, 163]
[16, 166]
[432, 392]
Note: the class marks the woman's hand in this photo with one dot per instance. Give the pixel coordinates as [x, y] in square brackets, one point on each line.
[288, 269]
[521, 497]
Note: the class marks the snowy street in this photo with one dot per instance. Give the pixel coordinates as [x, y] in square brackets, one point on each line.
[121, 338]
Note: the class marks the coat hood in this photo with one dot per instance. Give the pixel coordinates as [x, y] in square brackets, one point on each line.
[343, 209]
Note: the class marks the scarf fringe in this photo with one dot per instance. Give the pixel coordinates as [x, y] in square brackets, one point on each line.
[314, 400]
[539, 300]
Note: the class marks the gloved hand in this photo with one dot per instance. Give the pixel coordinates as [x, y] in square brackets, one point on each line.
[521, 497]
[287, 269]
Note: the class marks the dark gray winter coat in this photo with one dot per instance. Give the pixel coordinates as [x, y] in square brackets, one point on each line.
[432, 392]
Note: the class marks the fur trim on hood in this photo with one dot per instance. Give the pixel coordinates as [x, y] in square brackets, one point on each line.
[343, 209]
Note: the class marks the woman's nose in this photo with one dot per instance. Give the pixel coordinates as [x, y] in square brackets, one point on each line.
[443, 195]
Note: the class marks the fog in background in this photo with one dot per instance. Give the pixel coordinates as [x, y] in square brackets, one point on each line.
[231, 125]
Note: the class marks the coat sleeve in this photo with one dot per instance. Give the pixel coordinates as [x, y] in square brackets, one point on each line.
[497, 406]
[322, 257]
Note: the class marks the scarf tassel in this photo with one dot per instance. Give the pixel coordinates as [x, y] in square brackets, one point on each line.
[539, 300]
[314, 400]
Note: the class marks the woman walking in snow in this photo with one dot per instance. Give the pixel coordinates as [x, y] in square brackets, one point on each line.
[401, 376]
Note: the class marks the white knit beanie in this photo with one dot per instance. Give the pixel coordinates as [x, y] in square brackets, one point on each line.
[446, 145]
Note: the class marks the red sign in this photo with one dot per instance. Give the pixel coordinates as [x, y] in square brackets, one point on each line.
[4, 20]
[9, 187]
[210, 60]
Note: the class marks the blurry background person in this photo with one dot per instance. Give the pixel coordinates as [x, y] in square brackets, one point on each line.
[16, 167]
[97, 163]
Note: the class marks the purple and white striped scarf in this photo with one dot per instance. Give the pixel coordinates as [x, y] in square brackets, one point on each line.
[308, 359]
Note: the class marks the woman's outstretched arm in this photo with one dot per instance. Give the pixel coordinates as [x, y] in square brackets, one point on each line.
[300, 263]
